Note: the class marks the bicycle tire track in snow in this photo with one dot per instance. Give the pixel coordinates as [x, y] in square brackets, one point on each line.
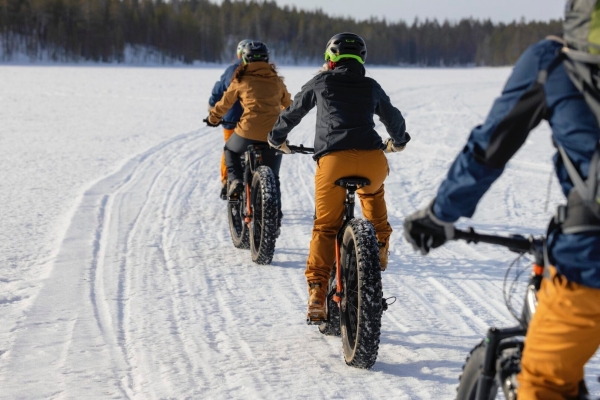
[148, 298]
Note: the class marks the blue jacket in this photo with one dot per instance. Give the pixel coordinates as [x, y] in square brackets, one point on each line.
[231, 117]
[523, 103]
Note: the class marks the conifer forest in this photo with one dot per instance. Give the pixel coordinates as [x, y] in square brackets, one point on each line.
[188, 31]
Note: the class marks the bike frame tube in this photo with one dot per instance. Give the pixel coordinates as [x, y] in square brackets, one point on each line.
[248, 205]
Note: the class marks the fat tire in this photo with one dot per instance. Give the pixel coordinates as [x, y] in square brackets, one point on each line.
[263, 228]
[468, 380]
[332, 326]
[237, 227]
[362, 308]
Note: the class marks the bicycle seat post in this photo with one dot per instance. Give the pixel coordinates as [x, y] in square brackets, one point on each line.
[349, 202]
[351, 184]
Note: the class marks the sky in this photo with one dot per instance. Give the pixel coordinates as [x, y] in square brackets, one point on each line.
[453, 10]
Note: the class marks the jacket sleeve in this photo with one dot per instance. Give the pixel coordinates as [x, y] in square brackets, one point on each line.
[221, 85]
[229, 98]
[390, 117]
[489, 147]
[304, 101]
[286, 98]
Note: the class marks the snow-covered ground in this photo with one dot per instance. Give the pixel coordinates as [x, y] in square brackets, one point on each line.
[118, 278]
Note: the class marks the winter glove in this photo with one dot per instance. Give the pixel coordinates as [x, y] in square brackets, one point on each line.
[209, 107]
[208, 123]
[425, 231]
[281, 147]
[390, 147]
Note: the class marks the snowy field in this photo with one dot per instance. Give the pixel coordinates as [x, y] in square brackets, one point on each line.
[118, 278]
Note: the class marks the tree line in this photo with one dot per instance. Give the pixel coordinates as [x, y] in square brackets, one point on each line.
[197, 30]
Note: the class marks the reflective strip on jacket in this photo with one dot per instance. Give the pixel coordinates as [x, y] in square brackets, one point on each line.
[513, 115]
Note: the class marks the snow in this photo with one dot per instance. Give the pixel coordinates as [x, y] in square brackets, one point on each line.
[118, 278]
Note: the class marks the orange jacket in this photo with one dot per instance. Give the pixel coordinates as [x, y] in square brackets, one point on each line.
[263, 96]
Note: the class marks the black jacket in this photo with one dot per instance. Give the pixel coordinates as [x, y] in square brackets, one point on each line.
[346, 101]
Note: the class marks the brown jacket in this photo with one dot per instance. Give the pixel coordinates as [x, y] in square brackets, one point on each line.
[262, 94]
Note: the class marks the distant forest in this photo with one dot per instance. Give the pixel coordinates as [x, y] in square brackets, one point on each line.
[197, 30]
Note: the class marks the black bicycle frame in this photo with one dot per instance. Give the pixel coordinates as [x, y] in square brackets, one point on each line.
[495, 336]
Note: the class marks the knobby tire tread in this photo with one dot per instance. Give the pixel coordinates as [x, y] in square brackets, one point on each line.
[467, 381]
[362, 352]
[263, 231]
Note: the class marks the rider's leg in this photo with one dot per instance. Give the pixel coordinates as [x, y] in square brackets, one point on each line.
[329, 210]
[226, 134]
[234, 148]
[372, 199]
[563, 335]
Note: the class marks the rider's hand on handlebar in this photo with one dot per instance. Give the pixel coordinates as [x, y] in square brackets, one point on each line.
[390, 147]
[425, 231]
[281, 147]
[208, 122]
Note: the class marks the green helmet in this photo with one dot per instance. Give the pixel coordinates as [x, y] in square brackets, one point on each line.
[582, 26]
[346, 45]
[240, 46]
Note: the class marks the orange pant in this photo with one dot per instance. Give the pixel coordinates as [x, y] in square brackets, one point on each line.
[226, 133]
[563, 335]
[329, 204]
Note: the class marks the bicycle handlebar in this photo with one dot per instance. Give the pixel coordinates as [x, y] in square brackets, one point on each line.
[207, 122]
[515, 243]
[301, 149]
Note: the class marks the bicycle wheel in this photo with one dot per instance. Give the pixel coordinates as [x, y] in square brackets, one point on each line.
[332, 326]
[237, 226]
[263, 227]
[361, 305]
[468, 380]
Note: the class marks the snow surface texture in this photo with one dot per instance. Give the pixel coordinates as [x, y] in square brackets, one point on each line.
[118, 278]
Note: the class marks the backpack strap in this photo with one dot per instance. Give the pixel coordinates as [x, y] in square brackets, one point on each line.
[580, 185]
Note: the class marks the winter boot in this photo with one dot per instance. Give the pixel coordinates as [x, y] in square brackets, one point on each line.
[236, 188]
[383, 254]
[224, 191]
[317, 294]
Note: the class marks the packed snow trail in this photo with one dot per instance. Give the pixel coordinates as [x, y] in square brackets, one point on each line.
[146, 296]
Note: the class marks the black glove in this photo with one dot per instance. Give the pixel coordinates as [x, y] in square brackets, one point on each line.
[425, 231]
[208, 123]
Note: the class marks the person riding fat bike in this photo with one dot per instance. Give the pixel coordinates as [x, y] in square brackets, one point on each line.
[262, 95]
[345, 145]
[231, 117]
[554, 79]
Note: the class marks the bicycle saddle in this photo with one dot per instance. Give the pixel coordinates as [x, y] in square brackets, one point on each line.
[355, 181]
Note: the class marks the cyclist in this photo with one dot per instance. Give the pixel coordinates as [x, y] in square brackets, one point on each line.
[231, 118]
[262, 95]
[345, 145]
[565, 331]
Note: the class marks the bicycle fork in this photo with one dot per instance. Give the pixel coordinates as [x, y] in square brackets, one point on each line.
[337, 297]
[488, 374]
